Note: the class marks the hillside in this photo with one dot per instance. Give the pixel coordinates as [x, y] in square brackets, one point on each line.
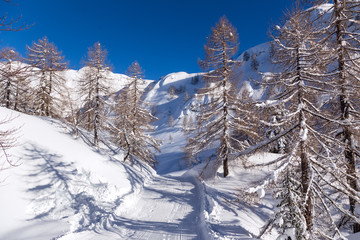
[62, 187]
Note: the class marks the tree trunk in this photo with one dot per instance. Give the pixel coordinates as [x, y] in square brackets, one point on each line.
[226, 167]
[305, 179]
[8, 93]
[304, 161]
[345, 108]
[97, 109]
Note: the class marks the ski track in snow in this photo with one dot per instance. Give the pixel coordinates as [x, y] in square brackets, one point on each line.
[164, 210]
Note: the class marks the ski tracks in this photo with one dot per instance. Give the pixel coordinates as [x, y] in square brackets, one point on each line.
[167, 208]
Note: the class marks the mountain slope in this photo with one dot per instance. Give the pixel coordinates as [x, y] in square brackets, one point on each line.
[63, 189]
[60, 184]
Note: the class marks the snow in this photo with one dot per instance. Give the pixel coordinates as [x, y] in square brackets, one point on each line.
[250, 76]
[355, 236]
[224, 213]
[115, 81]
[50, 191]
[64, 189]
[178, 106]
[324, 7]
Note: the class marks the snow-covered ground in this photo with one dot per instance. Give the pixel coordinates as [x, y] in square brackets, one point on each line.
[62, 188]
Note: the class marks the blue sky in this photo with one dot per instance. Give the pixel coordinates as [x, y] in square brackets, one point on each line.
[164, 36]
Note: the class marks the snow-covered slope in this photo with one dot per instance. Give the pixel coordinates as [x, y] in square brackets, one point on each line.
[254, 61]
[60, 183]
[115, 82]
[63, 189]
[172, 98]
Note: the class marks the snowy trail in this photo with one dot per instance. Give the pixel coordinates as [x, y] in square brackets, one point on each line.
[167, 208]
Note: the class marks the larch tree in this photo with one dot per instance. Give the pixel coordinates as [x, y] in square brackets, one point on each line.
[276, 116]
[343, 36]
[11, 24]
[14, 80]
[217, 115]
[7, 136]
[294, 45]
[12, 75]
[47, 63]
[133, 119]
[93, 89]
[314, 149]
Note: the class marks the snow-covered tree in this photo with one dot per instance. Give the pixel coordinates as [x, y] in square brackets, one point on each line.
[343, 36]
[47, 63]
[288, 216]
[132, 120]
[7, 136]
[276, 116]
[313, 151]
[14, 80]
[216, 117]
[93, 88]
[185, 123]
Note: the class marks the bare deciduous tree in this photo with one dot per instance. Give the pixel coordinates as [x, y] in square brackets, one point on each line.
[315, 157]
[132, 119]
[47, 63]
[11, 24]
[217, 116]
[93, 88]
[7, 136]
[14, 81]
[344, 26]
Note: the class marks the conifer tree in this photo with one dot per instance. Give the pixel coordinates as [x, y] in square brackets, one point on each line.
[7, 138]
[314, 150]
[276, 116]
[344, 37]
[341, 35]
[293, 46]
[216, 117]
[93, 88]
[289, 218]
[47, 63]
[132, 120]
[185, 123]
[13, 80]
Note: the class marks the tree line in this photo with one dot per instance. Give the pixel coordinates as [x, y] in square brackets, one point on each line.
[35, 84]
